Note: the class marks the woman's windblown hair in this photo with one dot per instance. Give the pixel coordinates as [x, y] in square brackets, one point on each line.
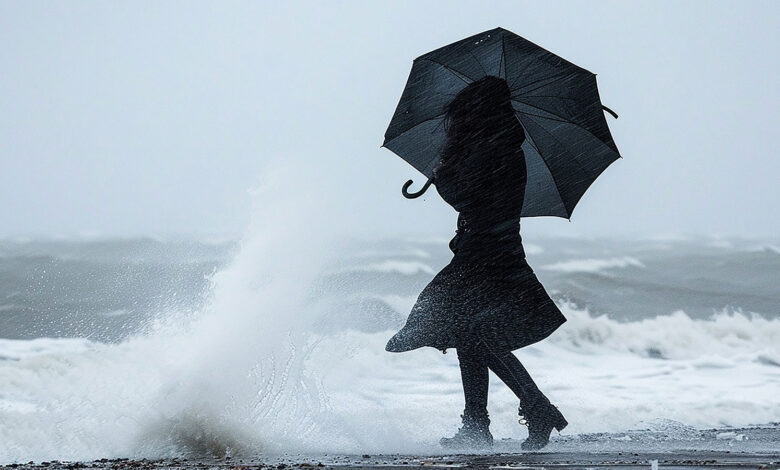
[481, 115]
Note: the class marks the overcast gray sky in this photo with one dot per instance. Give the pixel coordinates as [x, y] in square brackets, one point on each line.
[132, 118]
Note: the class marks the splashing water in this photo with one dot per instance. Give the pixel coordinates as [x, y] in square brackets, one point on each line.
[227, 380]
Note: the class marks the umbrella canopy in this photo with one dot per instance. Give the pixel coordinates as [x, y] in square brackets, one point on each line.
[568, 143]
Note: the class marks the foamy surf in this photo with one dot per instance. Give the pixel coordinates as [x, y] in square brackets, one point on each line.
[593, 265]
[225, 387]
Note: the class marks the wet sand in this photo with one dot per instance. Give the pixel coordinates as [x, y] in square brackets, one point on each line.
[722, 449]
[541, 460]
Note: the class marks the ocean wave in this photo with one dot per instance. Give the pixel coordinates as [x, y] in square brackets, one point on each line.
[731, 335]
[13, 349]
[408, 252]
[768, 248]
[407, 268]
[532, 249]
[153, 395]
[593, 265]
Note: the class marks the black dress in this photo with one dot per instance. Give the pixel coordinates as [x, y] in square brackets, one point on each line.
[488, 291]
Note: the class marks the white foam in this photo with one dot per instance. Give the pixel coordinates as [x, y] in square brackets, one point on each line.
[14, 349]
[730, 336]
[720, 243]
[669, 237]
[600, 372]
[409, 251]
[249, 382]
[401, 304]
[593, 265]
[407, 268]
[532, 249]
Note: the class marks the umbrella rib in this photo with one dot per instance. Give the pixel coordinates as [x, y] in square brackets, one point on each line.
[564, 148]
[560, 119]
[552, 78]
[553, 96]
[526, 68]
[502, 62]
[549, 170]
[478, 62]
[522, 71]
[450, 69]
[545, 117]
[593, 177]
[438, 116]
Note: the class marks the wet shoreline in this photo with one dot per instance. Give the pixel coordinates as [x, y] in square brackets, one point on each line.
[723, 448]
[721, 460]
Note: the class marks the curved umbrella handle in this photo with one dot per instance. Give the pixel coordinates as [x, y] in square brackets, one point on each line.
[419, 193]
[613, 113]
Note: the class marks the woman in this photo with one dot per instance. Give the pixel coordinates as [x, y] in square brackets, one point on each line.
[487, 302]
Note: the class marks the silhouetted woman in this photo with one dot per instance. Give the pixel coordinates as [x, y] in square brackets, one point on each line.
[487, 302]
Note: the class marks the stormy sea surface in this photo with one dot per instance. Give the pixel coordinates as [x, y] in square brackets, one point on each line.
[174, 348]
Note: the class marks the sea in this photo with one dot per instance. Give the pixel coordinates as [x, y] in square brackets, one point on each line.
[274, 342]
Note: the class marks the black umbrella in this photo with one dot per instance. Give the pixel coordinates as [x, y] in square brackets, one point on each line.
[568, 143]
